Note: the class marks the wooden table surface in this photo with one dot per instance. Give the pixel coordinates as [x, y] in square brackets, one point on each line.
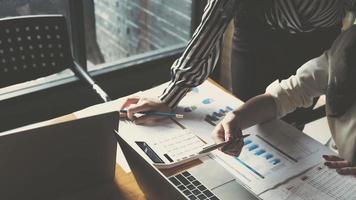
[127, 186]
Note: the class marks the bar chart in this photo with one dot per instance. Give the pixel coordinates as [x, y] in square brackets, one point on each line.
[260, 158]
[215, 117]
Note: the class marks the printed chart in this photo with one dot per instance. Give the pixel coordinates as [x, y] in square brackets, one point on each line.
[215, 117]
[319, 183]
[262, 159]
[273, 153]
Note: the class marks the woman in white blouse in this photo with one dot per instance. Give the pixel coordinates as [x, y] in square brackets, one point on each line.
[333, 74]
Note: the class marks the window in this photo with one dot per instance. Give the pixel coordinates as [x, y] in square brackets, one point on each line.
[122, 29]
[115, 30]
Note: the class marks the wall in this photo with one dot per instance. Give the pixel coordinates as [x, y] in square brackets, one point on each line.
[129, 27]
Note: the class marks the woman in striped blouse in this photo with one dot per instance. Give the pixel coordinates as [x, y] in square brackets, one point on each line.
[272, 39]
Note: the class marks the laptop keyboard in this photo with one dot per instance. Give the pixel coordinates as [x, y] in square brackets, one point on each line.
[191, 187]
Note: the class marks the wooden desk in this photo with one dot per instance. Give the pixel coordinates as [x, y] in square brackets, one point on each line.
[127, 186]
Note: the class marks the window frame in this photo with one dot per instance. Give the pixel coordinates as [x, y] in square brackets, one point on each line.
[79, 51]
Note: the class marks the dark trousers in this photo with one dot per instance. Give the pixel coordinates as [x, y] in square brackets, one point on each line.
[261, 55]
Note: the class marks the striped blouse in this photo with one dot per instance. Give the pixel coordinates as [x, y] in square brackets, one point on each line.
[203, 50]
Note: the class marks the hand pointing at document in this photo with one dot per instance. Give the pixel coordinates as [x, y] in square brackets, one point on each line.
[228, 130]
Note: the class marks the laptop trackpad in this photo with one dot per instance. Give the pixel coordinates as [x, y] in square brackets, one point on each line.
[233, 190]
[211, 174]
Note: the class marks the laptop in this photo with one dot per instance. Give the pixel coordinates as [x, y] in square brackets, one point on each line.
[59, 161]
[208, 180]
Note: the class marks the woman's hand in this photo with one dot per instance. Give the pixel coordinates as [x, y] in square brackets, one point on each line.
[228, 130]
[134, 105]
[341, 165]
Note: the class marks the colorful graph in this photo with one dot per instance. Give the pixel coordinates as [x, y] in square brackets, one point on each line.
[258, 158]
[254, 148]
[208, 101]
[190, 109]
[214, 118]
[195, 90]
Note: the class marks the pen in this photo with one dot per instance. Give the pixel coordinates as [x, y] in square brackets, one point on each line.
[216, 146]
[163, 114]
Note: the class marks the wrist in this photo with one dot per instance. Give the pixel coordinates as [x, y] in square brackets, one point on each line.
[172, 96]
[237, 119]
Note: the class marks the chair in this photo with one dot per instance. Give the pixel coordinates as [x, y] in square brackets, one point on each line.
[37, 46]
[32, 47]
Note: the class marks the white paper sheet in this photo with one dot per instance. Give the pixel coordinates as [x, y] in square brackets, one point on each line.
[205, 106]
[293, 152]
[319, 183]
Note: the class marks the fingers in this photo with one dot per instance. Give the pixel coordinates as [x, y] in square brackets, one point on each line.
[347, 171]
[137, 105]
[129, 101]
[135, 108]
[233, 149]
[231, 132]
[147, 120]
[335, 162]
[341, 165]
[218, 134]
[228, 130]
[332, 158]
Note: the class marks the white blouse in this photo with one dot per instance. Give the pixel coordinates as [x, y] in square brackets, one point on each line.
[299, 91]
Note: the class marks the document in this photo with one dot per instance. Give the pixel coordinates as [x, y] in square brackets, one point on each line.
[203, 107]
[273, 153]
[319, 183]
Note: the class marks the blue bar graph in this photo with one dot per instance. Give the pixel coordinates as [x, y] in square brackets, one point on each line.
[222, 111]
[246, 142]
[260, 151]
[214, 117]
[259, 158]
[216, 114]
[268, 156]
[228, 108]
[252, 147]
[275, 161]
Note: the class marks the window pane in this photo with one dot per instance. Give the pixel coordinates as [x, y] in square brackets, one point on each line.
[10, 8]
[123, 28]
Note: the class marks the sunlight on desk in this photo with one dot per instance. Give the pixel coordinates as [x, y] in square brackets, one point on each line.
[127, 186]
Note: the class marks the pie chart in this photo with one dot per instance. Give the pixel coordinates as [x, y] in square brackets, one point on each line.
[207, 101]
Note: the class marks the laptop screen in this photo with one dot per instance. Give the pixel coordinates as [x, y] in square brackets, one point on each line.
[50, 161]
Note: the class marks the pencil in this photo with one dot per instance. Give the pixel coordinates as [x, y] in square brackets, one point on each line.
[216, 146]
[163, 114]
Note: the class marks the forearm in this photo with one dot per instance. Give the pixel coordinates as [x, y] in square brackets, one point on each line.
[256, 110]
[348, 20]
[202, 53]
